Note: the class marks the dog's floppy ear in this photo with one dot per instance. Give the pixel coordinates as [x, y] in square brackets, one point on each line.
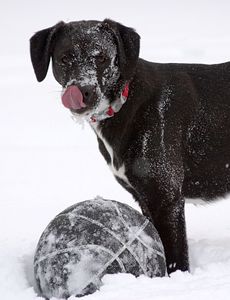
[128, 43]
[41, 48]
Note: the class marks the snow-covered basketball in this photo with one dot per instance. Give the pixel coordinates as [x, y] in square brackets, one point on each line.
[91, 239]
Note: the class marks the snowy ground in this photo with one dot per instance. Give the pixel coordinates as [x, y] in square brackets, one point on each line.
[48, 162]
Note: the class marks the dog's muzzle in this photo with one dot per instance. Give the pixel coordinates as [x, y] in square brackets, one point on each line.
[77, 99]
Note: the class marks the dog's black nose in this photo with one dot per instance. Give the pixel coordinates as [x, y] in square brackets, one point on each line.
[89, 93]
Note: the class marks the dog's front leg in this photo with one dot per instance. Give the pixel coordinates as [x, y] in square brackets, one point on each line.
[170, 223]
[161, 201]
[169, 220]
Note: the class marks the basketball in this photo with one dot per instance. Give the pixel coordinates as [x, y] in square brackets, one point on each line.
[93, 238]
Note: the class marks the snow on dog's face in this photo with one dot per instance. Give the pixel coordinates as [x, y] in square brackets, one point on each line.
[85, 64]
[92, 61]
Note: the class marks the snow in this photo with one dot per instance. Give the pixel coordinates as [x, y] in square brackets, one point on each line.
[48, 162]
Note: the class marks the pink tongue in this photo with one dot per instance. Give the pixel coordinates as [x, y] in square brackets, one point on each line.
[72, 98]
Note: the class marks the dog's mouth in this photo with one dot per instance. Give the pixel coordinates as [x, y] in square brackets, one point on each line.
[72, 98]
[88, 102]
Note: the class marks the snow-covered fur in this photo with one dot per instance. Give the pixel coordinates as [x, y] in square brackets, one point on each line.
[170, 140]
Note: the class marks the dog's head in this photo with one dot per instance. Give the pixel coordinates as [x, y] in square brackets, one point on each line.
[92, 61]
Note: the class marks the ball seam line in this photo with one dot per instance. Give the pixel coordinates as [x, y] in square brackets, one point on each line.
[69, 249]
[138, 238]
[117, 238]
[106, 229]
[125, 246]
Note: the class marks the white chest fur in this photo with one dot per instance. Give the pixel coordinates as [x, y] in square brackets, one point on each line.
[120, 172]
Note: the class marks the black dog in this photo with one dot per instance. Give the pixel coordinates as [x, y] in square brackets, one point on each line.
[168, 141]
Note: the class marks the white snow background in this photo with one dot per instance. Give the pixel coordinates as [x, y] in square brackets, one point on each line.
[47, 162]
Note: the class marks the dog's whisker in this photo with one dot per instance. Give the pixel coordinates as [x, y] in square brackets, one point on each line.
[57, 91]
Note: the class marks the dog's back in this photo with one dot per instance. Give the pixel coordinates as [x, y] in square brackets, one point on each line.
[203, 96]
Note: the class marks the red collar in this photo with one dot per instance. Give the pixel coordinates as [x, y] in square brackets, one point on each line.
[113, 108]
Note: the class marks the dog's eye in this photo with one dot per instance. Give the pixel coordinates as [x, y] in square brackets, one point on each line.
[67, 59]
[101, 58]
[64, 59]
